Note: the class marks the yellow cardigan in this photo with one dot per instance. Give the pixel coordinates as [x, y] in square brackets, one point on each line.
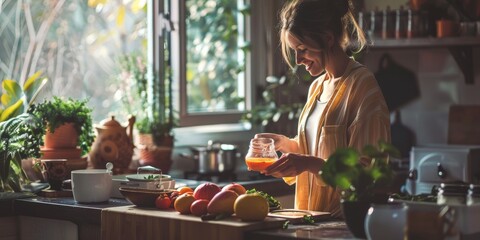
[355, 116]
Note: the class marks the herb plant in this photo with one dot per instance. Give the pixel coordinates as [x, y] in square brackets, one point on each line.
[59, 111]
[272, 202]
[343, 170]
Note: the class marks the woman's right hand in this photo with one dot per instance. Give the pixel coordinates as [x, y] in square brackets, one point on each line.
[282, 143]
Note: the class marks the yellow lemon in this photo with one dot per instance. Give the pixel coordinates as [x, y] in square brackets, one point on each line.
[251, 207]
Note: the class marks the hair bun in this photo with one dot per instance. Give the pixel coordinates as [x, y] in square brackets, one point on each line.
[341, 6]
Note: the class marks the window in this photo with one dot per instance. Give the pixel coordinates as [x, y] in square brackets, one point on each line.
[208, 55]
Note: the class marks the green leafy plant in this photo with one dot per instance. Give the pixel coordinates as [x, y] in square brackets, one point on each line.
[20, 138]
[151, 104]
[59, 111]
[20, 133]
[343, 170]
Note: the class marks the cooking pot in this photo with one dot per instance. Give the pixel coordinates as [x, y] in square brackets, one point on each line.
[214, 158]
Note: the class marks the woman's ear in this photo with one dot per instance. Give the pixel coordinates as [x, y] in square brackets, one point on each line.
[330, 40]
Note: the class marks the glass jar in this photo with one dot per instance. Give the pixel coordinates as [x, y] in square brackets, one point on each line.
[473, 196]
[452, 194]
[261, 154]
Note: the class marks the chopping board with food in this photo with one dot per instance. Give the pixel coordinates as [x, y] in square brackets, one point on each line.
[206, 212]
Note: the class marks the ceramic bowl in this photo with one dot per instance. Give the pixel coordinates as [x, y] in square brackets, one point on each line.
[143, 197]
[148, 177]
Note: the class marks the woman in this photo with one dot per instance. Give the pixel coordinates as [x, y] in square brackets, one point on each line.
[345, 106]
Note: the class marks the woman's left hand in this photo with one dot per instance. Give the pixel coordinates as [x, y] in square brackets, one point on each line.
[292, 164]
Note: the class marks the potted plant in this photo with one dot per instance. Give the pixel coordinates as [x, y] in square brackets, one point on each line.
[150, 101]
[69, 121]
[21, 134]
[360, 185]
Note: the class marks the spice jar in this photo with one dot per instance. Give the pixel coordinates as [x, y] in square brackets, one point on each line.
[473, 196]
[452, 194]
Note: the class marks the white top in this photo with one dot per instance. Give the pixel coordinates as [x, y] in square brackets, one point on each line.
[312, 125]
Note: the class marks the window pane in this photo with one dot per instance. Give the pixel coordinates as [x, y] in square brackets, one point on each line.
[215, 61]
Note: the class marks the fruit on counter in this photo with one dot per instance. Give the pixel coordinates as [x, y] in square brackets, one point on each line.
[199, 207]
[183, 202]
[222, 202]
[272, 202]
[239, 189]
[251, 207]
[173, 197]
[185, 189]
[163, 202]
[206, 191]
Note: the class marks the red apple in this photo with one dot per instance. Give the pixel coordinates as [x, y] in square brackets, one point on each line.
[199, 207]
[206, 191]
[222, 202]
[239, 189]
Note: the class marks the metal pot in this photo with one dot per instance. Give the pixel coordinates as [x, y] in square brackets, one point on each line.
[215, 157]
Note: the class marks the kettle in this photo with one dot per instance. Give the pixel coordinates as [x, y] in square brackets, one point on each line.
[114, 143]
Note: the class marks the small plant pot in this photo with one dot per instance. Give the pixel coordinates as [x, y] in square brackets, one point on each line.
[354, 214]
[64, 136]
[159, 157]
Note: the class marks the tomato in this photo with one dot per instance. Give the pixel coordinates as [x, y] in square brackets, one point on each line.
[163, 202]
[173, 197]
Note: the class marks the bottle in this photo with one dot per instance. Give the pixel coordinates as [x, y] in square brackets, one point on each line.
[261, 154]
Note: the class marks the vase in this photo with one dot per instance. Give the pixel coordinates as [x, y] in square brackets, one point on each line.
[354, 213]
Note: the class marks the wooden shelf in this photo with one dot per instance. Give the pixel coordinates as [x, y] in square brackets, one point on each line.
[425, 42]
[460, 48]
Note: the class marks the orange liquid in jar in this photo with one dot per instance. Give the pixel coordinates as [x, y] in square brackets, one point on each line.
[259, 164]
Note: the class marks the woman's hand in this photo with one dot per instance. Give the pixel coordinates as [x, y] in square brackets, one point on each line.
[292, 164]
[282, 143]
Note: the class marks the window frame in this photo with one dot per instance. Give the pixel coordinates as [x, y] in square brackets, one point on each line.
[179, 84]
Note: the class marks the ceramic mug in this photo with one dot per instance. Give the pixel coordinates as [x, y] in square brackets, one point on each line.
[54, 171]
[91, 185]
[386, 221]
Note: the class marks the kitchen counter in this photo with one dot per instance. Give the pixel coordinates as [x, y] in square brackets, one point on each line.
[88, 216]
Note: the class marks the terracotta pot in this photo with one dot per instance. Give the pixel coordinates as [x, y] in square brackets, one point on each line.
[67, 153]
[159, 157]
[65, 136]
[145, 139]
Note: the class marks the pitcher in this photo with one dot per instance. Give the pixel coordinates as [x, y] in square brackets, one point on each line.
[114, 143]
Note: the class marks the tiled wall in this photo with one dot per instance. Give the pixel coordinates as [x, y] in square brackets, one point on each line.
[441, 84]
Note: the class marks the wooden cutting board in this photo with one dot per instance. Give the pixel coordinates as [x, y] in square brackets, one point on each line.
[296, 216]
[130, 222]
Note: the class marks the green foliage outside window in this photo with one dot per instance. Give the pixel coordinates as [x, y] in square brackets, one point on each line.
[214, 58]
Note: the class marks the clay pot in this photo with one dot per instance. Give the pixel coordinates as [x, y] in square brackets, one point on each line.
[64, 136]
[159, 157]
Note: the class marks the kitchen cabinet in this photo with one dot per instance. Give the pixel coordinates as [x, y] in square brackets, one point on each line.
[461, 49]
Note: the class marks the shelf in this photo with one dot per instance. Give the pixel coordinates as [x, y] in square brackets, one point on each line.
[425, 42]
[460, 48]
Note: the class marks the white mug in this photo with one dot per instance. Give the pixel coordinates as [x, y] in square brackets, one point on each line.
[91, 185]
[386, 221]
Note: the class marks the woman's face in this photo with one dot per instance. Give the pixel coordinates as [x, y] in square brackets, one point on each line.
[305, 54]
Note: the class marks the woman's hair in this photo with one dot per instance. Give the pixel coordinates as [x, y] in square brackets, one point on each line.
[312, 19]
